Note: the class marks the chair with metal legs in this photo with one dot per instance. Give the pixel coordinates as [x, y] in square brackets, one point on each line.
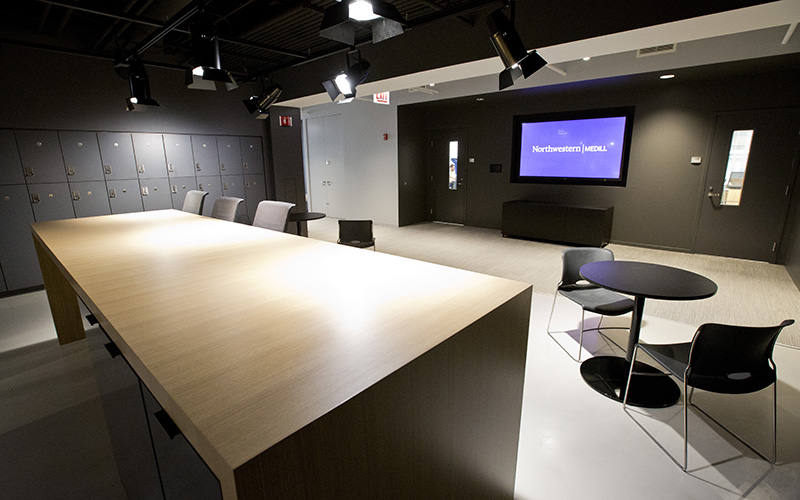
[590, 297]
[723, 359]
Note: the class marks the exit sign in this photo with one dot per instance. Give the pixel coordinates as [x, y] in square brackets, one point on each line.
[381, 98]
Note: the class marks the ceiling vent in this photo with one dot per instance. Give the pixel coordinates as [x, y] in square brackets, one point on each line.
[657, 50]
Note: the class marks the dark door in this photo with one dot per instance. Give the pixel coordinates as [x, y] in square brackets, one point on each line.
[747, 186]
[448, 166]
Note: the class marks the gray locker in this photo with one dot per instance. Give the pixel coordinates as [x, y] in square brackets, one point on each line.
[252, 157]
[51, 201]
[17, 253]
[255, 190]
[90, 198]
[155, 194]
[206, 159]
[124, 196]
[180, 162]
[10, 165]
[40, 153]
[116, 150]
[149, 152]
[178, 187]
[213, 186]
[230, 155]
[81, 156]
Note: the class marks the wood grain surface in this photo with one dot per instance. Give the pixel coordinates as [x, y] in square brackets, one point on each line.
[245, 335]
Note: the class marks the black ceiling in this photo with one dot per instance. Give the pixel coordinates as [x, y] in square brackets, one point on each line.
[261, 38]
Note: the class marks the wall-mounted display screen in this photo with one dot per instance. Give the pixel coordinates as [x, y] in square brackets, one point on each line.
[581, 147]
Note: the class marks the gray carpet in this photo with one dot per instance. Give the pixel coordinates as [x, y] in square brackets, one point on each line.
[750, 293]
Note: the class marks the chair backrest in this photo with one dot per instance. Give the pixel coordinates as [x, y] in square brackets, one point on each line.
[355, 230]
[193, 203]
[225, 208]
[272, 215]
[573, 258]
[733, 359]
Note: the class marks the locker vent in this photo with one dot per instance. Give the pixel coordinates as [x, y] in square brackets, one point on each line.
[657, 50]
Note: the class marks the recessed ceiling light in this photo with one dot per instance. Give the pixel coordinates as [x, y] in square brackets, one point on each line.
[479, 99]
[431, 85]
[586, 58]
[666, 77]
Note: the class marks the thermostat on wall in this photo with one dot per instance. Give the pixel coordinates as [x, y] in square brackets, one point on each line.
[696, 160]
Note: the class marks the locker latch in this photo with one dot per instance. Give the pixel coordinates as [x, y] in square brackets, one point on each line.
[200, 187]
[244, 165]
[76, 195]
[34, 198]
[141, 169]
[225, 186]
[170, 168]
[247, 184]
[112, 193]
[144, 191]
[197, 166]
[70, 170]
[222, 166]
[28, 172]
[174, 189]
[107, 168]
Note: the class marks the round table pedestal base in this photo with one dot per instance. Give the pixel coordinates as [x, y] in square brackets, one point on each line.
[650, 388]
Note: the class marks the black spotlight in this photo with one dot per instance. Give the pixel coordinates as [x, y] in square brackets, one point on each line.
[258, 105]
[509, 47]
[140, 98]
[205, 47]
[341, 19]
[345, 83]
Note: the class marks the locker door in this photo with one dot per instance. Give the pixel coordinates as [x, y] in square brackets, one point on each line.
[51, 201]
[180, 162]
[155, 194]
[40, 153]
[206, 159]
[255, 191]
[252, 158]
[213, 186]
[116, 150]
[81, 156]
[124, 196]
[17, 253]
[10, 165]
[230, 155]
[90, 198]
[149, 152]
[178, 188]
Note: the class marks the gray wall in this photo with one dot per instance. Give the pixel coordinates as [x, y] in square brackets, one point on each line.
[674, 120]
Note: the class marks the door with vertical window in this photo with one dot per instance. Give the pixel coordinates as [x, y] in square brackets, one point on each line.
[748, 184]
[448, 167]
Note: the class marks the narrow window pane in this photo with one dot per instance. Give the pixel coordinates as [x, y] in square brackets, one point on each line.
[737, 165]
[453, 178]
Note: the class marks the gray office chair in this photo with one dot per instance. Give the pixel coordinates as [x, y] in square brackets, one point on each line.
[592, 298]
[225, 208]
[720, 358]
[272, 215]
[193, 203]
[356, 233]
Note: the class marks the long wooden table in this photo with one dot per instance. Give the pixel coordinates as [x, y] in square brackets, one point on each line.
[303, 369]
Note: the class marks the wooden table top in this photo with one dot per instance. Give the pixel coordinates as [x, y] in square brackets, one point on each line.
[246, 335]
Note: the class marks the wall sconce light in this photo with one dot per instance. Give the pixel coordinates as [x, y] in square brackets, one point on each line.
[341, 19]
[205, 47]
[344, 84]
[512, 52]
[258, 105]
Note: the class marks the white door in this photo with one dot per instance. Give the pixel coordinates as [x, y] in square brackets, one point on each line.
[325, 165]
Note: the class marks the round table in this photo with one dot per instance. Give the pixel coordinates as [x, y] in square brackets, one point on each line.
[298, 217]
[608, 375]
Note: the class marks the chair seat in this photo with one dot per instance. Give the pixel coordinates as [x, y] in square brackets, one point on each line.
[675, 358]
[358, 243]
[598, 300]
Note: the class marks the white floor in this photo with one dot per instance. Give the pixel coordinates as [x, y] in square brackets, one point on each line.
[574, 443]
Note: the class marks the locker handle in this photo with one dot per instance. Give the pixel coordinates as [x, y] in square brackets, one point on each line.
[141, 168]
[197, 166]
[28, 171]
[145, 192]
[222, 166]
[34, 198]
[169, 425]
[107, 168]
[170, 168]
[76, 195]
[70, 170]
[174, 189]
[112, 193]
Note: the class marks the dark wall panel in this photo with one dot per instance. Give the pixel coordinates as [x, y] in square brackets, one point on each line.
[412, 165]
[673, 122]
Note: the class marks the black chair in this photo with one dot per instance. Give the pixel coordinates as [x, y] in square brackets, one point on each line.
[193, 203]
[723, 359]
[592, 298]
[225, 208]
[356, 233]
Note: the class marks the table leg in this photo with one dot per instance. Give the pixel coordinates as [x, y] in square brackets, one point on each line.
[608, 375]
[62, 298]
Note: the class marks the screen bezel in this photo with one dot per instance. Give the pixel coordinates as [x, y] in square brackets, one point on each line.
[620, 181]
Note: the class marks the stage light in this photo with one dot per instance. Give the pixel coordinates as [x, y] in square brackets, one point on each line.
[205, 47]
[139, 83]
[258, 105]
[517, 60]
[340, 20]
[344, 84]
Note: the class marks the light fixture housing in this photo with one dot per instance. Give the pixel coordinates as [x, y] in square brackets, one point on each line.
[205, 47]
[344, 84]
[139, 84]
[517, 60]
[340, 20]
[258, 105]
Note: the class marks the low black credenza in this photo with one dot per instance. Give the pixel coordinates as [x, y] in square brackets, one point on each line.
[590, 226]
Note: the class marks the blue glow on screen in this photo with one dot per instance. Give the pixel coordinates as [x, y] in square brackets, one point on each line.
[587, 148]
